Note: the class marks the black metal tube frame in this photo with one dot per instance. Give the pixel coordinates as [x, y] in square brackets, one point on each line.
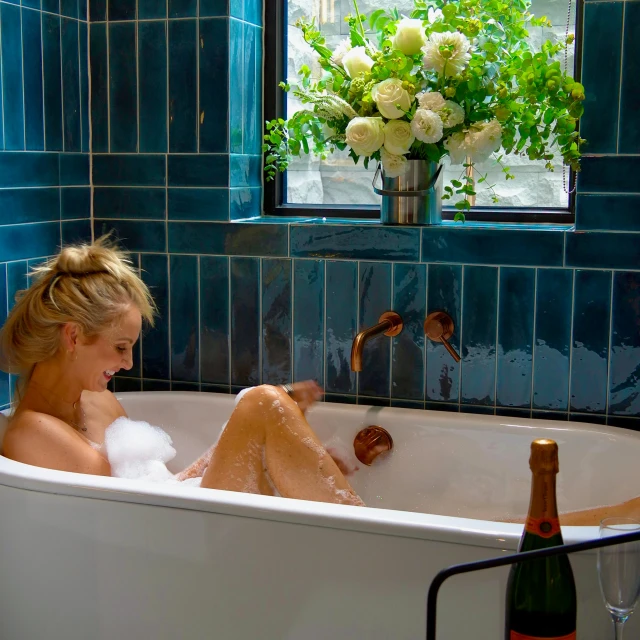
[432, 598]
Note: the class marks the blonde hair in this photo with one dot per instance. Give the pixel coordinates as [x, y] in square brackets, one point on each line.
[90, 284]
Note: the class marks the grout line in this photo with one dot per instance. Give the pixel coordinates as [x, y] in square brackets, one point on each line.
[197, 76]
[229, 317]
[107, 29]
[260, 321]
[573, 307]
[198, 322]
[624, 7]
[168, 97]
[79, 86]
[137, 46]
[170, 332]
[533, 341]
[24, 105]
[293, 316]
[2, 96]
[495, 386]
[425, 380]
[324, 330]
[62, 109]
[461, 352]
[392, 268]
[608, 397]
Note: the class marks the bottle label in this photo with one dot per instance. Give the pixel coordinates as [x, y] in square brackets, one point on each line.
[520, 636]
[543, 527]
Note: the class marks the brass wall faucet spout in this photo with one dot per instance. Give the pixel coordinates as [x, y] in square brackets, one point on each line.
[389, 323]
[439, 327]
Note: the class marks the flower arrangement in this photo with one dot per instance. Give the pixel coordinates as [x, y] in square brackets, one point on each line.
[456, 79]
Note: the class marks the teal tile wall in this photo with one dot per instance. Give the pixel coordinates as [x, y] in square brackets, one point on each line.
[45, 197]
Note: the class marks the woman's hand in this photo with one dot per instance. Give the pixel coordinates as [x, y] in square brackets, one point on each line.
[306, 393]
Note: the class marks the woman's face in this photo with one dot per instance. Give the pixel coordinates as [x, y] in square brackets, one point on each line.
[101, 357]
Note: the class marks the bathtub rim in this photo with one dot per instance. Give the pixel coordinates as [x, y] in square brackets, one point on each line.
[428, 527]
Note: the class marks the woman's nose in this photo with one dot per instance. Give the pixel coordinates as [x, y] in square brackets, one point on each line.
[128, 361]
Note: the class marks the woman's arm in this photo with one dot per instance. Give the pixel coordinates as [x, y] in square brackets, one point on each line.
[196, 469]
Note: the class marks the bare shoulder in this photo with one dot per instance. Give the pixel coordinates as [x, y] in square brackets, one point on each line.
[103, 404]
[45, 441]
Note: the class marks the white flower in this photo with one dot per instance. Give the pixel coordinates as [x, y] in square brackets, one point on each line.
[432, 100]
[398, 137]
[434, 14]
[394, 166]
[483, 139]
[365, 135]
[426, 126]
[389, 93]
[446, 53]
[456, 145]
[341, 51]
[451, 113]
[356, 61]
[410, 36]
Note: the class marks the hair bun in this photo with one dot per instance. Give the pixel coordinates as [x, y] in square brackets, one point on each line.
[83, 260]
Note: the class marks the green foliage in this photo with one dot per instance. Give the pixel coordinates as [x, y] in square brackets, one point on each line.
[525, 90]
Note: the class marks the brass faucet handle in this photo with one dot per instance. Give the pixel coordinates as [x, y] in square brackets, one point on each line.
[396, 323]
[439, 327]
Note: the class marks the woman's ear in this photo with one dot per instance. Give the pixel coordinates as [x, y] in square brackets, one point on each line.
[70, 333]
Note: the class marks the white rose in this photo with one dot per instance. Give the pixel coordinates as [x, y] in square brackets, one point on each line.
[341, 50]
[410, 36]
[456, 145]
[356, 61]
[451, 114]
[394, 166]
[432, 100]
[483, 139]
[433, 16]
[426, 126]
[389, 93]
[446, 53]
[398, 137]
[365, 135]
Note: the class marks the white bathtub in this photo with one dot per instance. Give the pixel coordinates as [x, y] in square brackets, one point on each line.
[92, 558]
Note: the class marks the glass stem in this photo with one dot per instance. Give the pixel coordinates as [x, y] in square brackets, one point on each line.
[619, 625]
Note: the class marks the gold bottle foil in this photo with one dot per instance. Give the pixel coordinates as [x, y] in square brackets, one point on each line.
[544, 456]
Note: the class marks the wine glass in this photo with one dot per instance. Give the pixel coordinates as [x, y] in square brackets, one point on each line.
[619, 571]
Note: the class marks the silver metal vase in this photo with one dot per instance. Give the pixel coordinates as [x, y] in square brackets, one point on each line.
[414, 198]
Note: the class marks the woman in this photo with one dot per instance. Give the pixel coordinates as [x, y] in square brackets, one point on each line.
[75, 328]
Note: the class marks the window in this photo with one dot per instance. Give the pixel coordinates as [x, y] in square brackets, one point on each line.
[339, 188]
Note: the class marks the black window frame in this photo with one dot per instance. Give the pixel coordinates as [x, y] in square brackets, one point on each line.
[275, 65]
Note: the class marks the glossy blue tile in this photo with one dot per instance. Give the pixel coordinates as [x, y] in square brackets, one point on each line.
[122, 9]
[5, 395]
[259, 88]
[245, 171]
[602, 49]
[98, 10]
[152, 62]
[183, 8]
[52, 78]
[33, 4]
[149, 9]
[185, 386]
[236, 8]
[375, 298]
[407, 404]
[442, 406]
[477, 409]
[372, 401]
[492, 246]
[20, 242]
[214, 81]
[589, 359]
[515, 337]
[29, 170]
[198, 204]
[11, 39]
[245, 203]
[268, 240]
[410, 301]
[276, 321]
[356, 242]
[624, 386]
[341, 324]
[75, 202]
[74, 169]
[16, 280]
[127, 384]
[215, 388]
[444, 293]
[251, 136]
[589, 418]
[236, 71]
[83, 8]
[155, 340]
[308, 320]
[550, 415]
[99, 88]
[129, 170]
[245, 321]
[69, 8]
[337, 398]
[552, 339]
[76, 232]
[156, 385]
[129, 202]
[123, 79]
[603, 250]
[629, 135]
[183, 82]
[608, 212]
[608, 174]
[513, 413]
[32, 264]
[214, 8]
[1, 104]
[253, 11]
[479, 328]
[145, 235]
[199, 170]
[71, 85]
[185, 330]
[84, 85]
[624, 423]
[32, 66]
[29, 205]
[214, 319]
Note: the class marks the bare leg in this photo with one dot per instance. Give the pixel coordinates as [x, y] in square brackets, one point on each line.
[592, 517]
[268, 432]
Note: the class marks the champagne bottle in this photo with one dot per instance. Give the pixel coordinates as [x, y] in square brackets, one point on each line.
[541, 594]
